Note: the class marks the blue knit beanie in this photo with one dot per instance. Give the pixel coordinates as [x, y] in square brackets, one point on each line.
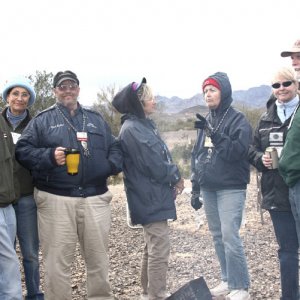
[20, 82]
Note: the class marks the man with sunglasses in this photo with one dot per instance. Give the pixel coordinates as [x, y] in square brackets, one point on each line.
[271, 132]
[71, 208]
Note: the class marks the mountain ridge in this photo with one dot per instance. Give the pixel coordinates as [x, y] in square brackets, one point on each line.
[254, 97]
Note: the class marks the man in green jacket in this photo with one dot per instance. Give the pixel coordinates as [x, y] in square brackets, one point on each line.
[289, 166]
[294, 54]
[289, 163]
[10, 279]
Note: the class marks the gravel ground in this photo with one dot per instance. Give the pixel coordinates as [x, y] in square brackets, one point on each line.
[192, 252]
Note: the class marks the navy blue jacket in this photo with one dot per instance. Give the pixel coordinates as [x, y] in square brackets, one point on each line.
[47, 131]
[149, 173]
[227, 166]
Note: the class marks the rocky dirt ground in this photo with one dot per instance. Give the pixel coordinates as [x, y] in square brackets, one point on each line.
[192, 252]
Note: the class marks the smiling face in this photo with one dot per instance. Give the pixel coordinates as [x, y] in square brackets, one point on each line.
[67, 93]
[285, 85]
[285, 93]
[18, 99]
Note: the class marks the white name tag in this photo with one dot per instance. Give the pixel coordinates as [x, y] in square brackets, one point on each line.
[15, 137]
[82, 136]
[208, 143]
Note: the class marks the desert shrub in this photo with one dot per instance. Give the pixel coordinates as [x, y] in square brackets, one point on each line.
[252, 114]
[181, 155]
[165, 124]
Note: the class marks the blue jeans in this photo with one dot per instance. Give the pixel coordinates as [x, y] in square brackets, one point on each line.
[10, 276]
[286, 236]
[27, 233]
[224, 210]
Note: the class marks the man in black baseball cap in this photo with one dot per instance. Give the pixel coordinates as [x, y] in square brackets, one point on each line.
[71, 208]
[62, 76]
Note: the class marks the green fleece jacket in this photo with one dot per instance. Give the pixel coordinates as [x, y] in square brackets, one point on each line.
[23, 175]
[289, 163]
[9, 189]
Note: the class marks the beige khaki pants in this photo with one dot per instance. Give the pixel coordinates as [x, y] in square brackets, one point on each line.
[62, 222]
[155, 260]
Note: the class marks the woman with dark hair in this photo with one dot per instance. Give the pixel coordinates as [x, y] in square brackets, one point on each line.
[19, 95]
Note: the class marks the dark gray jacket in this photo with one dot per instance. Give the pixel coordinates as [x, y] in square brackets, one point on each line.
[149, 173]
[227, 166]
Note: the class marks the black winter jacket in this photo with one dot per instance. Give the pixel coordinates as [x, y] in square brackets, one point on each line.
[47, 131]
[23, 175]
[149, 173]
[224, 166]
[274, 190]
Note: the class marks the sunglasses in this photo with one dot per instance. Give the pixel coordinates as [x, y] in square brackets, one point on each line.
[277, 85]
[64, 87]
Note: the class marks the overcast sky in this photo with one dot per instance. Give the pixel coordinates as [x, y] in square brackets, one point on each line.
[175, 44]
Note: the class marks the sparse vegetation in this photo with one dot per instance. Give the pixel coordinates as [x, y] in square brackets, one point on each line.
[173, 123]
[42, 83]
[104, 106]
[252, 114]
[181, 155]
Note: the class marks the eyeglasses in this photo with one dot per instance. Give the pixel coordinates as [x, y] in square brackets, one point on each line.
[65, 87]
[277, 85]
[16, 94]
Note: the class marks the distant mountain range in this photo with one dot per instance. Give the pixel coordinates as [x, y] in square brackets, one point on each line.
[255, 97]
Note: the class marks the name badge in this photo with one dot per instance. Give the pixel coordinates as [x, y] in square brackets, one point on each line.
[82, 136]
[208, 143]
[276, 139]
[15, 137]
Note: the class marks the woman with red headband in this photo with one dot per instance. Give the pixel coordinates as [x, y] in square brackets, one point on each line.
[220, 170]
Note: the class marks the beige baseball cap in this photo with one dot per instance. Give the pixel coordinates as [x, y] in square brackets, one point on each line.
[294, 49]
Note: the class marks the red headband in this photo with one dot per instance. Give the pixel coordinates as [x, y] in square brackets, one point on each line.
[211, 81]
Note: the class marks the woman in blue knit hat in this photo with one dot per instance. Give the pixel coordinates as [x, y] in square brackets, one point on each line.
[18, 94]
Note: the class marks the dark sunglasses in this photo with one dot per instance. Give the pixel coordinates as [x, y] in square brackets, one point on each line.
[277, 85]
[65, 87]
